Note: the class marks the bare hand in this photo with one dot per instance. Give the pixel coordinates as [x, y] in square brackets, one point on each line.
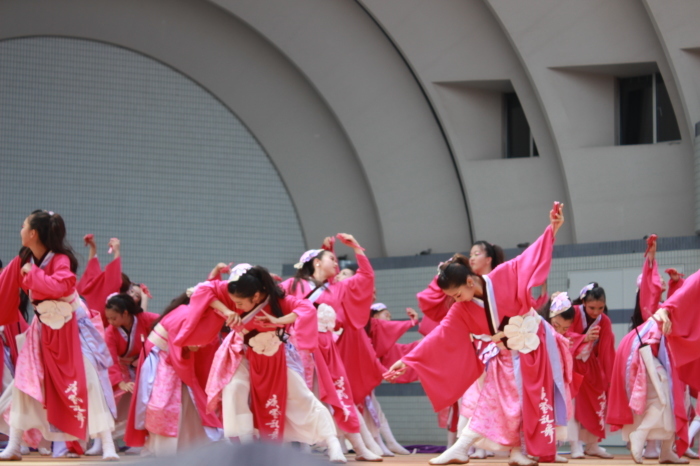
[268, 320]
[115, 245]
[412, 313]
[89, 240]
[26, 268]
[593, 333]
[327, 243]
[556, 219]
[662, 318]
[127, 386]
[194, 349]
[349, 241]
[395, 371]
[233, 320]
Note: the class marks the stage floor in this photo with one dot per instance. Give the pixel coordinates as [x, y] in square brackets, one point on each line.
[410, 460]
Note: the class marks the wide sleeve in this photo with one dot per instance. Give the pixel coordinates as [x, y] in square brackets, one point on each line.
[606, 348]
[10, 283]
[673, 286]
[306, 325]
[650, 289]
[433, 302]
[93, 270]
[116, 371]
[385, 333]
[199, 310]
[358, 293]
[685, 316]
[58, 283]
[514, 280]
[445, 360]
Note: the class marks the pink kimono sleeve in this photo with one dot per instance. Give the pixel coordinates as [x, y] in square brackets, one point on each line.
[10, 280]
[116, 373]
[673, 286]
[514, 280]
[198, 310]
[433, 302]
[385, 333]
[306, 325]
[685, 316]
[57, 284]
[358, 293]
[445, 360]
[92, 272]
[650, 289]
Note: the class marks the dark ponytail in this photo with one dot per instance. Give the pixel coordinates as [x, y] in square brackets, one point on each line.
[596, 293]
[258, 280]
[494, 251]
[122, 303]
[52, 234]
[454, 272]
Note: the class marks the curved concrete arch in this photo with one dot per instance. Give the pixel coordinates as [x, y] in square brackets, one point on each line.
[466, 62]
[268, 93]
[381, 108]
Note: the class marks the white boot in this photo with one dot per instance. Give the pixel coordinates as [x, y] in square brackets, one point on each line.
[459, 452]
[362, 453]
[691, 454]
[24, 450]
[109, 453]
[637, 439]
[335, 453]
[96, 448]
[12, 450]
[651, 450]
[560, 459]
[668, 456]
[518, 459]
[694, 429]
[576, 450]
[478, 454]
[389, 439]
[593, 449]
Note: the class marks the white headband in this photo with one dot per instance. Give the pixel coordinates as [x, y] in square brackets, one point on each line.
[307, 256]
[560, 303]
[585, 290]
[238, 271]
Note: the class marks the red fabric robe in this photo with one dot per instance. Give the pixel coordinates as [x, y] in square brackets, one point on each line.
[384, 335]
[62, 357]
[120, 348]
[95, 285]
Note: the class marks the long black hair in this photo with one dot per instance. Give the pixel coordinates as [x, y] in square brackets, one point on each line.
[307, 270]
[122, 303]
[52, 234]
[258, 280]
[544, 311]
[176, 302]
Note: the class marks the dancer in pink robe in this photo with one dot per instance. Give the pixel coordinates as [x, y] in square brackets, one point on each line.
[483, 258]
[341, 304]
[595, 366]
[524, 390]
[56, 388]
[647, 397]
[256, 379]
[95, 285]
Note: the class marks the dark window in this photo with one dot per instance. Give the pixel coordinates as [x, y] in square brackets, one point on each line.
[519, 141]
[639, 122]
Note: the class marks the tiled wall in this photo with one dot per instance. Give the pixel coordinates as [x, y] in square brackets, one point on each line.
[121, 145]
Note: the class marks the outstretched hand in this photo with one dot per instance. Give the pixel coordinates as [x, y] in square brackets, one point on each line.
[395, 371]
[661, 317]
[556, 216]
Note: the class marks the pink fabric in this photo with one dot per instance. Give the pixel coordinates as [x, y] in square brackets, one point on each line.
[434, 303]
[164, 405]
[361, 363]
[118, 347]
[385, 333]
[397, 352]
[592, 398]
[673, 286]
[470, 399]
[634, 382]
[94, 285]
[498, 413]
[650, 290]
[426, 325]
[227, 359]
